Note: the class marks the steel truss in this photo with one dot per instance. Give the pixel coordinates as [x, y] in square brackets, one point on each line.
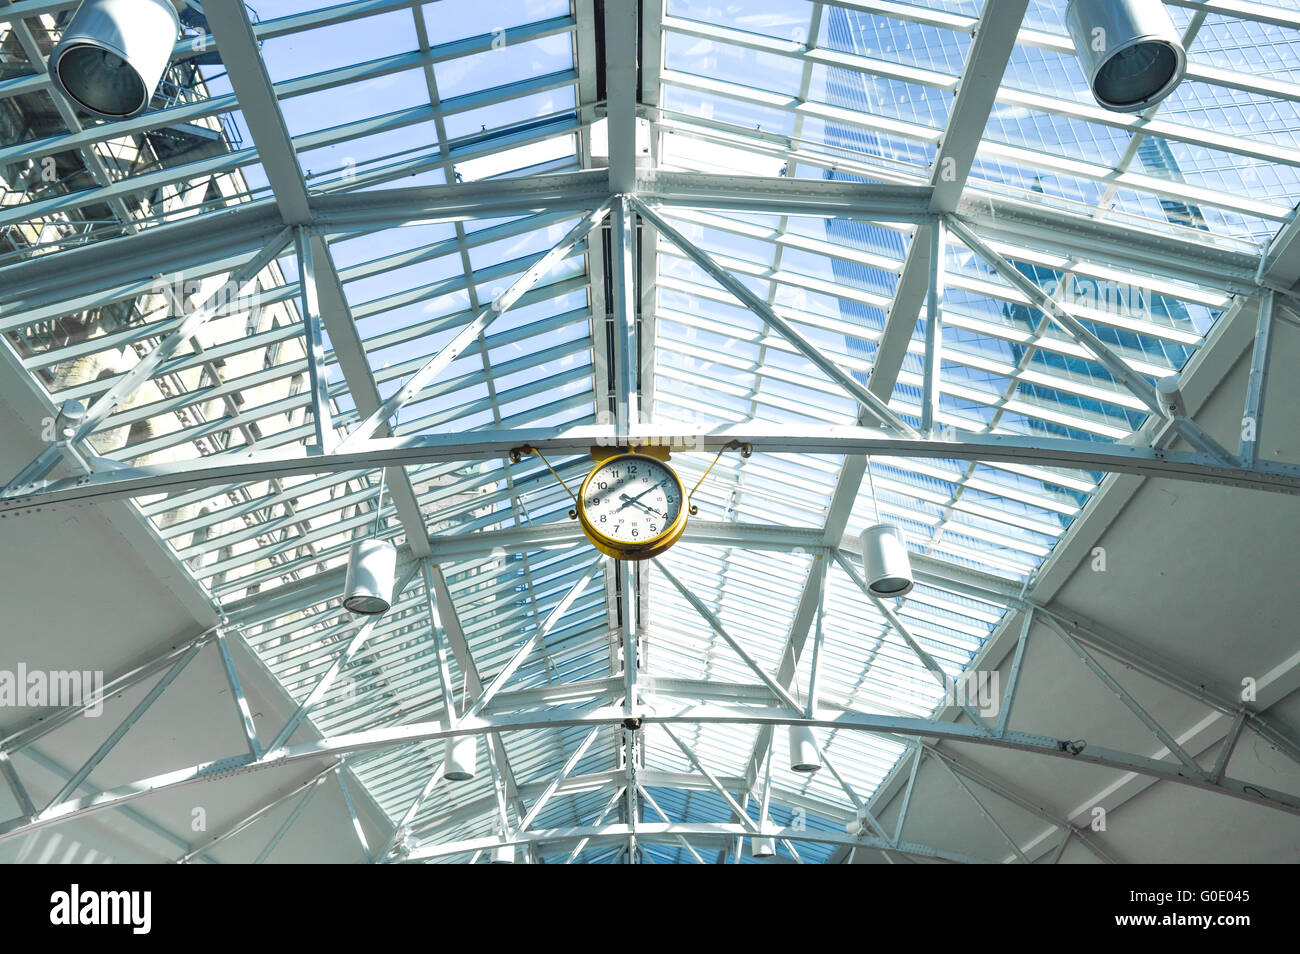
[242, 240]
[218, 469]
[652, 710]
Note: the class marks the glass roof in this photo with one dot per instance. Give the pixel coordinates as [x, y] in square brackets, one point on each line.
[378, 96]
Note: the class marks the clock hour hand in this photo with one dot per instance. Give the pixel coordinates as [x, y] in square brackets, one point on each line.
[632, 500]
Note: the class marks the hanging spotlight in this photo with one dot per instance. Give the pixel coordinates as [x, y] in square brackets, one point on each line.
[369, 586]
[113, 53]
[1130, 52]
[462, 758]
[503, 855]
[71, 414]
[804, 755]
[762, 847]
[884, 557]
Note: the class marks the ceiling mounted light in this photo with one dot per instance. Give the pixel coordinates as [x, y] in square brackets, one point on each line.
[1130, 52]
[503, 855]
[884, 557]
[762, 847]
[372, 565]
[884, 553]
[113, 53]
[462, 758]
[804, 755]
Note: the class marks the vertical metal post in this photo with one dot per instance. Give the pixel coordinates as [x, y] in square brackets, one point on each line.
[444, 671]
[632, 808]
[629, 637]
[623, 220]
[503, 818]
[814, 674]
[313, 343]
[934, 328]
[620, 91]
[1252, 418]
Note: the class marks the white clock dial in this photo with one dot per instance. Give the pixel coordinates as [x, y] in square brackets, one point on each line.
[632, 500]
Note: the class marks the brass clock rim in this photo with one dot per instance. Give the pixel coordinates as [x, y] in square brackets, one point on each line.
[621, 550]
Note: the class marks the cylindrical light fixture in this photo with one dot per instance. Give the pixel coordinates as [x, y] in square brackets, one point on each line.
[1130, 52]
[113, 53]
[884, 557]
[462, 758]
[372, 566]
[503, 855]
[762, 847]
[804, 755]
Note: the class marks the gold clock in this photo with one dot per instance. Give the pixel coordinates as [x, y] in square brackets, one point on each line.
[632, 506]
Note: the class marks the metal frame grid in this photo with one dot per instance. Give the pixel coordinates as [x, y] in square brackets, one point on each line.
[856, 235]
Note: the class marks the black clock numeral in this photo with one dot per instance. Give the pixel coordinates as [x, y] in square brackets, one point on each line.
[603, 485]
[604, 517]
[634, 531]
[653, 528]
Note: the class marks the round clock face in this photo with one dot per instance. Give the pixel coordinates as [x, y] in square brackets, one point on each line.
[632, 501]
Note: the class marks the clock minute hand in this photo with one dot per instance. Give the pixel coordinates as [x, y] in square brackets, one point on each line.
[644, 492]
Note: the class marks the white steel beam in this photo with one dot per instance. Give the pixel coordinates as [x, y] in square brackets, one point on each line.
[1252, 418]
[252, 817]
[536, 639]
[340, 661]
[570, 764]
[1195, 466]
[669, 832]
[627, 400]
[1123, 695]
[689, 714]
[107, 402]
[997, 786]
[1071, 325]
[944, 680]
[123, 728]
[237, 696]
[621, 61]
[322, 416]
[27, 809]
[869, 401]
[312, 788]
[242, 57]
[582, 842]
[663, 816]
[931, 397]
[350, 353]
[777, 689]
[455, 634]
[448, 353]
[352, 813]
